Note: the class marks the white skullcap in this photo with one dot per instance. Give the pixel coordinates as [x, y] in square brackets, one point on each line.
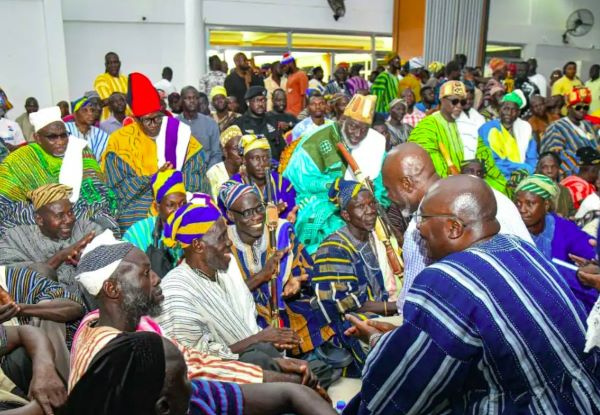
[416, 63]
[99, 260]
[43, 117]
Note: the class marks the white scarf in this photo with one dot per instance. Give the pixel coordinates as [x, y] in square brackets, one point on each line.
[71, 170]
[522, 132]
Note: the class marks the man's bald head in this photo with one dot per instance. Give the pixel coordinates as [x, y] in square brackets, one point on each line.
[456, 212]
[408, 172]
[466, 196]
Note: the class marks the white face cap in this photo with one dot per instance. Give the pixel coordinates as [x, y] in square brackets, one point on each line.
[44, 116]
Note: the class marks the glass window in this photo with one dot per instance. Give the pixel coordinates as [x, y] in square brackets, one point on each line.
[383, 43]
[247, 39]
[329, 41]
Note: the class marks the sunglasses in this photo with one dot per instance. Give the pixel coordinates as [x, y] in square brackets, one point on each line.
[455, 102]
[582, 107]
[53, 137]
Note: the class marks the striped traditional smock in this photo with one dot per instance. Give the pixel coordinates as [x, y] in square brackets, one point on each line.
[493, 329]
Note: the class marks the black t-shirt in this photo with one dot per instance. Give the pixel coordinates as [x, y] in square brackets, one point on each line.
[283, 117]
[236, 86]
[262, 126]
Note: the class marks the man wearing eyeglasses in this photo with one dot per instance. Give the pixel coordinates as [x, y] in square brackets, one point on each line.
[153, 143]
[572, 132]
[489, 324]
[408, 173]
[291, 264]
[439, 136]
[55, 157]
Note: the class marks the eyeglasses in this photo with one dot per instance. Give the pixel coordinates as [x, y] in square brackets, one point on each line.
[420, 217]
[455, 101]
[53, 137]
[582, 107]
[148, 121]
[248, 213]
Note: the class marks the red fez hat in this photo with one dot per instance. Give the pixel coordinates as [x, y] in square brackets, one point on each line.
[142, 97]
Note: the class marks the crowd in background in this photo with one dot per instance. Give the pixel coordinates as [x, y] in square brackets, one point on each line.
[251, 243]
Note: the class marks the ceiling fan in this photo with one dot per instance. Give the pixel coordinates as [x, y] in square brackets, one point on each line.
[579, 23]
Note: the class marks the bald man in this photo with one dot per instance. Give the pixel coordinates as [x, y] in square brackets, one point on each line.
[408, 173]
[491, 324]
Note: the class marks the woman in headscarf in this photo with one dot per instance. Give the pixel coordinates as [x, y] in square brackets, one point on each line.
[549, 166]
[557, 238]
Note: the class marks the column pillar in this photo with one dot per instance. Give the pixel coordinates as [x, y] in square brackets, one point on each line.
[56, 51]
[195, 42]
[409, 28]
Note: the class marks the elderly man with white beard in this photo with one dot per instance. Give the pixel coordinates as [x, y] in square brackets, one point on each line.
[316, 163]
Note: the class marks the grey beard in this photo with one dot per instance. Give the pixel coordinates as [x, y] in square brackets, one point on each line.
[136, 305]
[345, 137]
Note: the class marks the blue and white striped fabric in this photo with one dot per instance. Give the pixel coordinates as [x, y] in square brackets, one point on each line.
[493, 329]
[96, 138]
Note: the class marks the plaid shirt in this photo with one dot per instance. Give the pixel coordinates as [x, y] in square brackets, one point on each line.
[413, 118]
[415, 259]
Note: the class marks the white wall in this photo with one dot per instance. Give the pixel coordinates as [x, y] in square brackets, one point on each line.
[147, 45]
[369, 16]
[92, 29]
[29, 67]
[538, 25]
[80, 32]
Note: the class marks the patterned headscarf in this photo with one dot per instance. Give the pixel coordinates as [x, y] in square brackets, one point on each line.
[231, 191]
[578, 95]
[49, 193]
[99, 260]
[540, 185]
[191, 221]
[80, 103]
[497, 64]
[167, 182]
[342, 191]
[229, 133]
[251, 142]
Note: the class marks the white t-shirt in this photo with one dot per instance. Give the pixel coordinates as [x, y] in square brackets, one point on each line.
[542, 84]
[165, 86]
[11, 133]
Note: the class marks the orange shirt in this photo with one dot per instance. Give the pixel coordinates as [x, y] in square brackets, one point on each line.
[296, 86]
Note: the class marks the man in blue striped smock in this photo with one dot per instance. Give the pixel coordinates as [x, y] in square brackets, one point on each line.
[491, 327]
[83, 127]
